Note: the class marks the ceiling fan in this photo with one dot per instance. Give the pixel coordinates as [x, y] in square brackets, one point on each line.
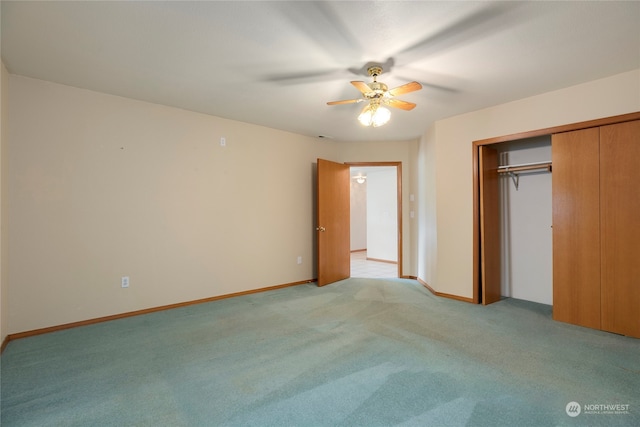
[377, 95]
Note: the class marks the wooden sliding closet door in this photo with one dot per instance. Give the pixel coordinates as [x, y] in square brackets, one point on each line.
[576, 227]
[620, 227]
[489, 225]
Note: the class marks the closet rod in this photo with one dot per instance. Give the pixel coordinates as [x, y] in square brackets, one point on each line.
[525, 167]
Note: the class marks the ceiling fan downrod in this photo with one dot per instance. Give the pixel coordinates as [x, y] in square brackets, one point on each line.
[377, 89]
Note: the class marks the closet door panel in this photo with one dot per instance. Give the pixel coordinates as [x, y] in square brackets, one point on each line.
[576, 227]
[620, 227]
[489, 225]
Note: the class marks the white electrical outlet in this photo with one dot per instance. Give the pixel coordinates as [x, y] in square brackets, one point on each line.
[223, 142]
[299, 260]
[124, 282]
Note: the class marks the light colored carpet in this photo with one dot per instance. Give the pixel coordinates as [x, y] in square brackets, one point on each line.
[361, 352]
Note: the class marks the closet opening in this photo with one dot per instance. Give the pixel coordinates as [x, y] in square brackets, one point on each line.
[525, 218]
[515, 214]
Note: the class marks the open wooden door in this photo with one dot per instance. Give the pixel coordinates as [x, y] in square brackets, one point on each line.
[489, 225]
[334, 204]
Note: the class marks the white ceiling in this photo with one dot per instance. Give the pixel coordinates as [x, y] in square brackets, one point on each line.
[277, 63]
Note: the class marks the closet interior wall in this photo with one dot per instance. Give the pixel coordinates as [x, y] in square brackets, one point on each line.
[525, 222]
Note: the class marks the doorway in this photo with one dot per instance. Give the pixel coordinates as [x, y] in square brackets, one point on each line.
[376, 243]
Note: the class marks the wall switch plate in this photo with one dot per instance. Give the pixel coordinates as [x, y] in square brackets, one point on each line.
[124, 282]
[299, 260]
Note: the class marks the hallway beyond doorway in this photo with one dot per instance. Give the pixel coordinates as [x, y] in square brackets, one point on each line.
[362, 267]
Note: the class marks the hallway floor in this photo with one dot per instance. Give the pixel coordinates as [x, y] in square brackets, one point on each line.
[361, 267]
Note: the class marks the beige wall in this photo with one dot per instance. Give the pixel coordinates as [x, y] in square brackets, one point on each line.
[104, 187]
[4, 141]
[358, 231]
[449, 143]
[427, 235]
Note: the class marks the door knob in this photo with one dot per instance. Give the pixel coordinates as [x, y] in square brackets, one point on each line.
[320, 229]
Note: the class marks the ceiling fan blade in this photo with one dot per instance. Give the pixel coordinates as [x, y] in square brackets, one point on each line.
[321, 24]
[362, 87]
[347, 101]
[492, 18]
[409, 87]
[396, 103]
[306, 77]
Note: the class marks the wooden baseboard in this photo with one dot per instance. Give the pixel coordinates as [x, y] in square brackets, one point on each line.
[440, 294]
[50, 329]
[41, 331]
[382, 260]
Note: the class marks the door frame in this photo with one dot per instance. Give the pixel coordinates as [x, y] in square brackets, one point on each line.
[475, 156]
[398, 166]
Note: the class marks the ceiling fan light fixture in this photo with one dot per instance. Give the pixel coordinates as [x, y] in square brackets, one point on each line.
[365, 118]
[380, 117]
[374, 115]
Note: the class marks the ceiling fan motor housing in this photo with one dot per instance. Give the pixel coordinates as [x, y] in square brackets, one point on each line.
[377, 89]
[374, 71]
